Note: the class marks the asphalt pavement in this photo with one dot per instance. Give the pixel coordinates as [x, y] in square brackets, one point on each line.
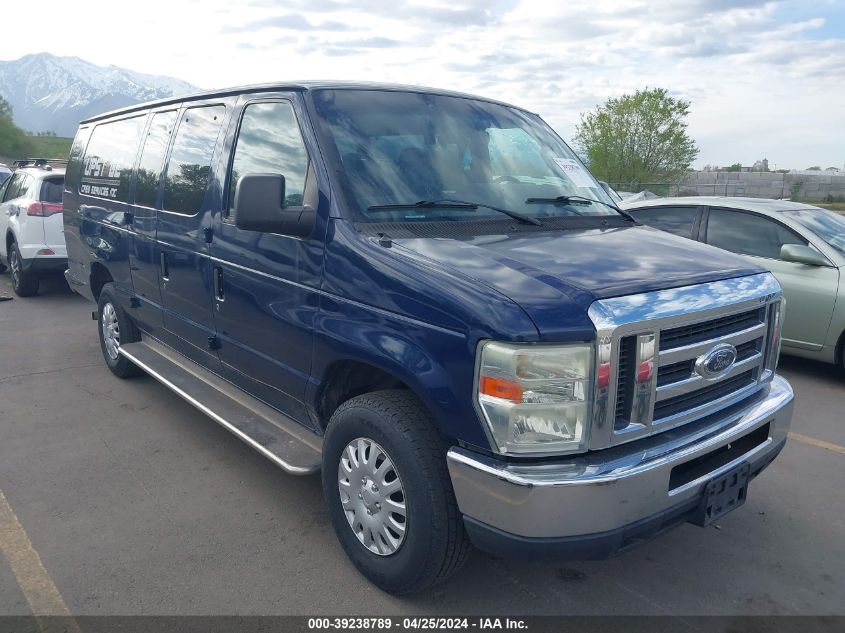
[120, 498]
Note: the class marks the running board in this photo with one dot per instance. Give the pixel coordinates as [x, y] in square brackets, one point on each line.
[291, 446]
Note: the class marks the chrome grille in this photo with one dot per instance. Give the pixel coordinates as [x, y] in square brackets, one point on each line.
[708, 330]
[705, 395]
[680, 390]
[625, 380]
[657, 386]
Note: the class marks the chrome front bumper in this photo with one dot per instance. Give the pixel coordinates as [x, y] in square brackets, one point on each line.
[598, 502]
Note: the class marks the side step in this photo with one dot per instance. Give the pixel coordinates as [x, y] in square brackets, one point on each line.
[290, 445]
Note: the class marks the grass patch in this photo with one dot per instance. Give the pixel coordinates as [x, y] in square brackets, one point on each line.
[49, 147]
[833, 206]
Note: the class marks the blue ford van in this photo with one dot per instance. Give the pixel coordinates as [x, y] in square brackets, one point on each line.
[426, 296]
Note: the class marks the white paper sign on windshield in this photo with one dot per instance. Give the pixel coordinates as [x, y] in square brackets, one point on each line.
[573, 170]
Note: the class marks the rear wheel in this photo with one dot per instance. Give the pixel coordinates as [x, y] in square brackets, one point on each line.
[389, 494]
[115, 328]
[25, 284]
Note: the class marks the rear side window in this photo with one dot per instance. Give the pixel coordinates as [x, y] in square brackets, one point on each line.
[14, 188]
[108, 162]
[677, 220]
[748, 234]
[152, 158]
[51, 190]
[189, 167]
[269, 142]
[18, 187]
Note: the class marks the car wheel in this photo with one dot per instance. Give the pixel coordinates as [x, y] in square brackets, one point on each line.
[115, 328]
[389, 494]
[24, 284]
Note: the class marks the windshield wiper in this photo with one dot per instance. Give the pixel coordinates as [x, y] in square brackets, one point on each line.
[580, 200]
[447, 203]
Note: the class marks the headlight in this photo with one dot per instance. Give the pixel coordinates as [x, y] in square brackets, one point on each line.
[536, 399]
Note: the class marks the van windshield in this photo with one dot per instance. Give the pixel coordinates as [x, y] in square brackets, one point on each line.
[400, 148]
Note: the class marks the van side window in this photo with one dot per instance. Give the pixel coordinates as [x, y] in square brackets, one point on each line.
[189, 167]
[74, 165]
[108, 162]
[152, 158]
[269, 142]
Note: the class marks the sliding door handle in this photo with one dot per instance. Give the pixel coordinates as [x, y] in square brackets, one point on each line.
[165, 271]
[218, 284]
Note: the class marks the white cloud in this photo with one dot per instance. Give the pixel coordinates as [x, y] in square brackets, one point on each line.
[760, 84]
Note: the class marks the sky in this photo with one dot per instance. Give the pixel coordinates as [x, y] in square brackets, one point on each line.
[765, 79]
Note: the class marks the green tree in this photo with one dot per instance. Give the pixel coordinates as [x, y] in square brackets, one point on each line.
[734, 167]
[814, 168]
[638, 138]
[13, 141]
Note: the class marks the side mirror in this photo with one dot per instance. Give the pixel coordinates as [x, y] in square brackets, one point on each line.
[259, 200]
[801, 254]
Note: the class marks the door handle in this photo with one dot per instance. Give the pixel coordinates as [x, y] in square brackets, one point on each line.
[165, 271]
[218, 284]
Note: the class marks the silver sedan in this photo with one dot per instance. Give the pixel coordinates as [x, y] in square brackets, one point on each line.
[803, 245]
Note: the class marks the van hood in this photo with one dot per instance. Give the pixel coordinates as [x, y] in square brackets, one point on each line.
[555, 276]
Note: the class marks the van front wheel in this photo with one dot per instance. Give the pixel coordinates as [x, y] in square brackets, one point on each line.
[115, 328]
[389, 494]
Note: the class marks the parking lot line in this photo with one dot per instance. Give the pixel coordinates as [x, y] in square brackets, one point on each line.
[41, 593]
[812, 441]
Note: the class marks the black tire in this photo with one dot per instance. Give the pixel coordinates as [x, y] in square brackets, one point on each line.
[126, 331]
[435, 544]
[25, 284]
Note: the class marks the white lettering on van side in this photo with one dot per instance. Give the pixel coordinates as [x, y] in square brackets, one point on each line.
[96, 167]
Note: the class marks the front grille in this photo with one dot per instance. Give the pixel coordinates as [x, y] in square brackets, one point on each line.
[680, 393]
[624, 382]
[708, 330]
[714, 391]
[675, 372]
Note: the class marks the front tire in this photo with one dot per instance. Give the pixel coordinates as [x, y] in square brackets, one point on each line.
[115, 328]
[25, 284]
[389, 494]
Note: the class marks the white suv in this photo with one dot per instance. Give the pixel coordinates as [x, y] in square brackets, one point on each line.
[31, 225]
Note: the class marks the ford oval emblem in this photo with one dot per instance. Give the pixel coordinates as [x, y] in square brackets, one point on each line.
[717, 362]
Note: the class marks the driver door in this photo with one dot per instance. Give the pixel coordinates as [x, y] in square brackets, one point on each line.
[810, 291]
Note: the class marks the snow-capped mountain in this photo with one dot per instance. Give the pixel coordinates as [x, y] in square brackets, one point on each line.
[49, 93]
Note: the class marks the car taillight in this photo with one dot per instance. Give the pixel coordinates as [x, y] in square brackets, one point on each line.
[44, 209]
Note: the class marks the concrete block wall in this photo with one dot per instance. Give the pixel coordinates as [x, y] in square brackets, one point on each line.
[763, 185]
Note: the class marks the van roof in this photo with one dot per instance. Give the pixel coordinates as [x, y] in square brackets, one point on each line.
[298, 86]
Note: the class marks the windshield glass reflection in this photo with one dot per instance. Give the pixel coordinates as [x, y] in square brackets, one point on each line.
[398, 148]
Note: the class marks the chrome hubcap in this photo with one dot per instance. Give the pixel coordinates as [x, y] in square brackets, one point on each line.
[111, 331]
[372, 496]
